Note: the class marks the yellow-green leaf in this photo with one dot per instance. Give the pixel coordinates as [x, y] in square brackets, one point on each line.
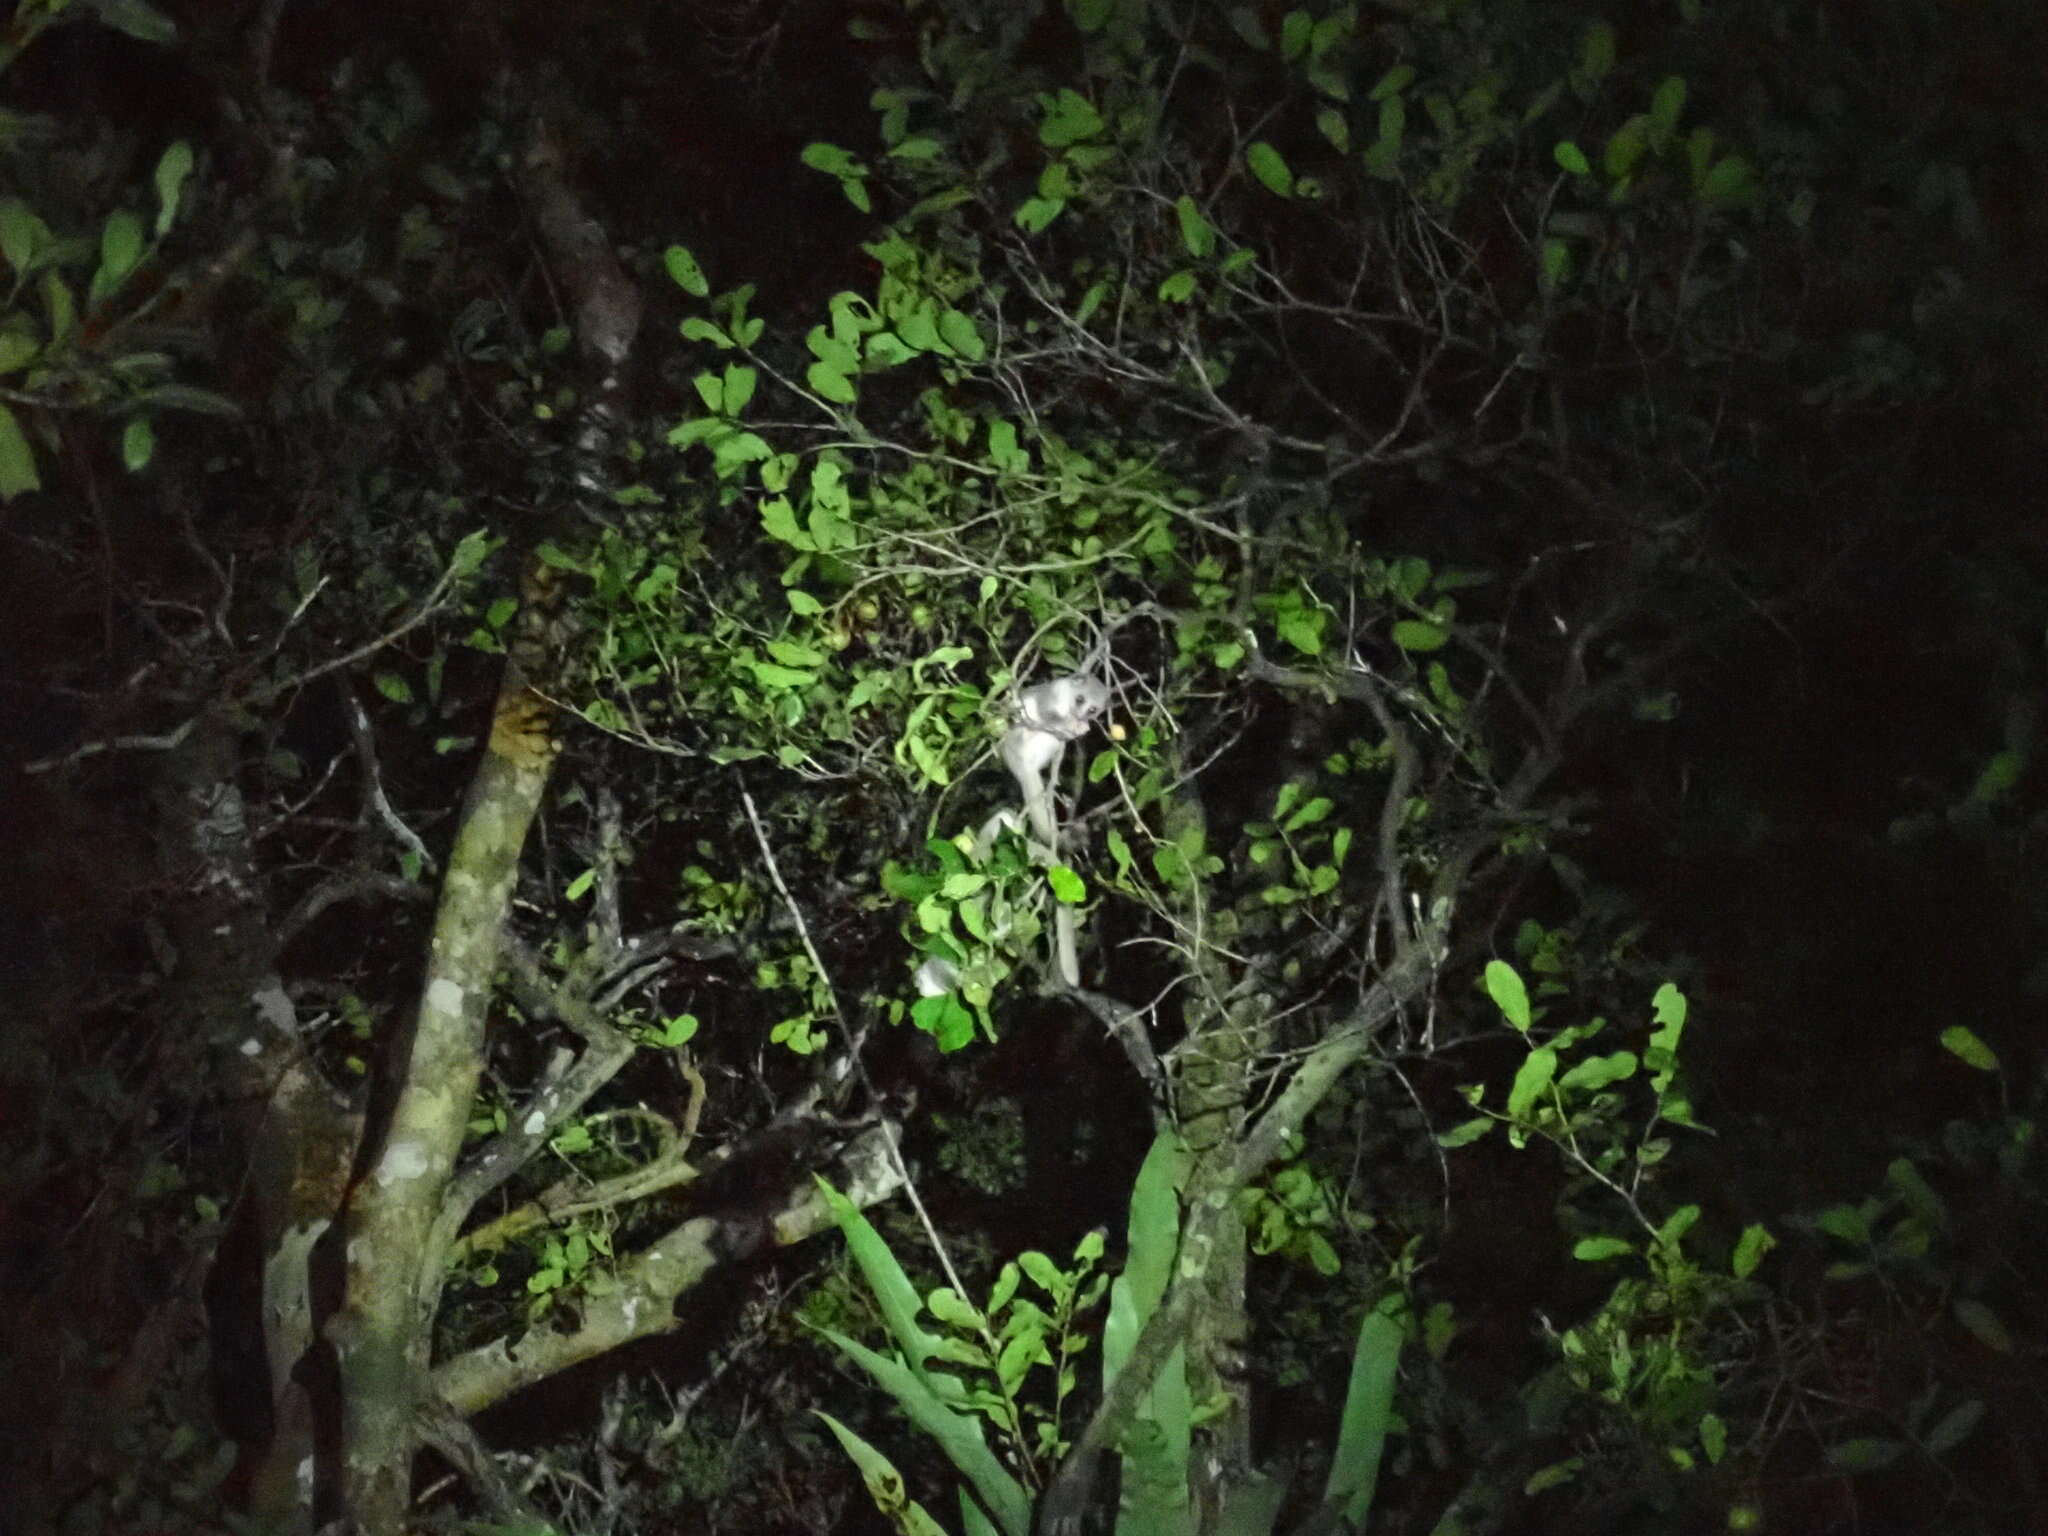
[1964, 1045]
[17, 462]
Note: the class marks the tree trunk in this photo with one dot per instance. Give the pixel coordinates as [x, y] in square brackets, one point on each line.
[297, 1136]
[396, 1256]
[1216, 1087]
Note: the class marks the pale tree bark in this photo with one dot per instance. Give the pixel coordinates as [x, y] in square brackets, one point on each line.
[405, 1211]
[1218, 1083]
[384, 1332]
[1213, 1072]
[650, 1282]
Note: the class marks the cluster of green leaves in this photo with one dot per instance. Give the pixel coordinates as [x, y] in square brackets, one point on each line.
[567, 1268]
[63, 353]
[1307, 856]
[974, 1369]
[801, 1033]
[1156, 1449]
[58, 357]
[975, 912]
[1645, 1352]
[1292, 1211]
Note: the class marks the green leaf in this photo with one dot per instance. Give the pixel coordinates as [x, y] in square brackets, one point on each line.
[1626, 147]
[1597, 1072]
[1954, 1427]
[1919, 1195]
[884, 1482]
[1023, 1351]
[1295, 28]
[1846, 1222]
[1504, 986]
[1556, 1475]
[830, 349]
[1597, 1250]
[1368, 1415]
[171, 170]
[792, 654]
[2000, 776]
[1070, 117]
[1332, 30]
[1301, 628]
[1571, 157]
[1557, 262]
[958, 331]
[1158, 1456]
[1676, 1225]
[1067, 887]
[1667, 1008]
[1196, 232]
[832, 160]
[680, 1030]
[1596, 55]
[1730, 184]
[947, 1305]
[120, 252]
[1267, 164]
[17, 463]
[1383, 159]
[1035, 213]
[696, 328]
[1714, 1439]
[580, 886]
[1045, 1274]
[1312, 811]
[1177, 287]
[1964, 1045]
[1666, 106]
[1419, 635]
[393, 687]
[682, 266]
[1467, 1133]
[1392, 83]
[778, 518]
[945, 1019]
[1750, 1249]
[739, 387]
[137, 20]
[22, 234]
[768, 675]
[138, 443]
[1408, 579]
[1090, 15]
[1984, 1325]
[1532, 1081]
[1865, 1455]
[829, 383]
[185, 397]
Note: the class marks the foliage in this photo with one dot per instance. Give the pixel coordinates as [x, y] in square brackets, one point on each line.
[1646, 1354]
[1364, 393]
[1155, 1479]
[82, 333]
